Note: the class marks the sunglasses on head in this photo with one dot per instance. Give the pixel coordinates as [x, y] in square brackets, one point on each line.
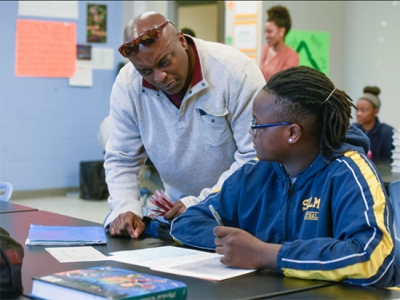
[146, 39]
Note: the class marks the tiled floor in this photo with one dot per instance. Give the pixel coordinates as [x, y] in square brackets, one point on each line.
[91, 210]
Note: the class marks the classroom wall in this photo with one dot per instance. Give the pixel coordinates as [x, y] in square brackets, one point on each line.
[372, 53]
[46, 126]
[325, 16]
[364, 45]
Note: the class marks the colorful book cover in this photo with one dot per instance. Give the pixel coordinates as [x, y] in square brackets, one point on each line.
[108, 283]
[65, 235]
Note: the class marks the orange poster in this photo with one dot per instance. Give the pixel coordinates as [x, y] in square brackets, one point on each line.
[45, 49]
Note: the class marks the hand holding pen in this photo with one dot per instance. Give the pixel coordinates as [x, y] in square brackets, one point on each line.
[216, 215]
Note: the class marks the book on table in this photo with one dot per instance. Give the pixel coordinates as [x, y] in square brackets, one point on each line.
[65, 235]
[105, 282]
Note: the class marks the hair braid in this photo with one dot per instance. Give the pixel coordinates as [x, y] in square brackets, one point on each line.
[302, 98]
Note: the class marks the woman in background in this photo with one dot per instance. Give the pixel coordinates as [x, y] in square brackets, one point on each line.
[380, 134]
[276, 55]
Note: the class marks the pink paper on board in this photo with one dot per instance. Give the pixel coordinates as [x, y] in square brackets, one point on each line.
[45, 49]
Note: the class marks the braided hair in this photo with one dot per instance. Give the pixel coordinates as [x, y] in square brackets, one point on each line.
[308, 98]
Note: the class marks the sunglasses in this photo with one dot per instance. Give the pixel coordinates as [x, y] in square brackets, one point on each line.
[147, 38]
[254, 125]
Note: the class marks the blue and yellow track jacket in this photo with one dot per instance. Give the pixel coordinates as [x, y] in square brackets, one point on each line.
[334, 222]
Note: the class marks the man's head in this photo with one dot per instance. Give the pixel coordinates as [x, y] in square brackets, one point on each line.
[309, 108]
[158, 51]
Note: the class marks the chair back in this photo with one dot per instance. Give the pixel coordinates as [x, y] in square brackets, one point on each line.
[6, 190]
[394, 193]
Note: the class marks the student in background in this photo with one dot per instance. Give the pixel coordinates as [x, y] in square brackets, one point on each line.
[188, 31]
[380, 134]
[182, 102]
[276, 55]
[312, 205]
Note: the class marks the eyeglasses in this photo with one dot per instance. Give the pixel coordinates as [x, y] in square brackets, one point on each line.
[146, 39]
[254, 125]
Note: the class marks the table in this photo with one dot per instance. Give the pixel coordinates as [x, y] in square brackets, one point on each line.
[387, 176]
[345, 291]
[38, 262]
[8, 207]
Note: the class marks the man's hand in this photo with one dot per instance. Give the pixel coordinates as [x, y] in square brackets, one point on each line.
[243, 250]
[178, 209]
[127, 224]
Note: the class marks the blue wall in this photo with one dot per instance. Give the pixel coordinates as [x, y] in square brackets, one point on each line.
[46, 126]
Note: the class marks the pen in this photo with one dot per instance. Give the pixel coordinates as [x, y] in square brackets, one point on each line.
[216, 215]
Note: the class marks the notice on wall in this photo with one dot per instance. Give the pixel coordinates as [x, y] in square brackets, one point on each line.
[103, 58]
[313, 48]
[83, 75]
[245, 36]
[50, 9]
[45, 49]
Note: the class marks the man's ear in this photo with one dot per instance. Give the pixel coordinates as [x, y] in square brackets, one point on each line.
[182, 40]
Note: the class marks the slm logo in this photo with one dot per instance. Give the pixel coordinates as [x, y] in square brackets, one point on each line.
[312, 202]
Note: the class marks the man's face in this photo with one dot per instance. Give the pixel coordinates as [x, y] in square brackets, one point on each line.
[165, 64]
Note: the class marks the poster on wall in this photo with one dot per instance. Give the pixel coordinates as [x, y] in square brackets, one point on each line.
[96, 23]
[313, 48]
[83, 75]
[35, 54]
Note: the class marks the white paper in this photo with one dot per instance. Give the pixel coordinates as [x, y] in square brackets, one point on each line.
[50, 9]
[159, 256]
[182, 261]
[103, 58]
[74, 254]
[83, 75]
[206, 268]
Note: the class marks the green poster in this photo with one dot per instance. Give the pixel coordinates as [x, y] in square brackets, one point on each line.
[313, 48]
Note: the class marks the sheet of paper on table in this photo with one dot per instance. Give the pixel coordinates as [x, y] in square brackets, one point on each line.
[181, 261]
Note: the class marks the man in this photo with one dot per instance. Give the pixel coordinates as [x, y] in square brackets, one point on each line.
[183, 103]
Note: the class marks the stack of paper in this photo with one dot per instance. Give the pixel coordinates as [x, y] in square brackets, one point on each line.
[65, 235]
[396, 151]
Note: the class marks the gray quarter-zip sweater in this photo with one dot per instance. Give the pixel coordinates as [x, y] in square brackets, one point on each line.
[194, 148]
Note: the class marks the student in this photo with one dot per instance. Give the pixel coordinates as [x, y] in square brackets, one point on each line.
[182, 102]
[380, 134]
[312, 205]
[276, 55]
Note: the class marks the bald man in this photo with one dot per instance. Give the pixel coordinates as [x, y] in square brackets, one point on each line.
[185, 104]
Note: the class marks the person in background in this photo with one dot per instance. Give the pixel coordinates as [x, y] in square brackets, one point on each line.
[276, 55]
[183, 103]
[312, 205]
[188, 31]
[380, 134]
